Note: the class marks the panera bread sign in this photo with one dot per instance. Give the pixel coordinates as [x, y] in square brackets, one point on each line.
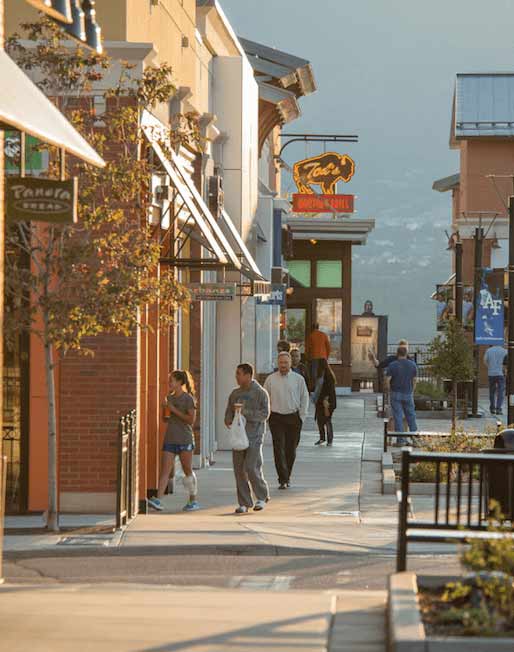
[41, 200]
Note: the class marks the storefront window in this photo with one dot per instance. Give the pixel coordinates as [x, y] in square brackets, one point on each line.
[329, 315]
[329, 273]
[300, 271]
[296, 319]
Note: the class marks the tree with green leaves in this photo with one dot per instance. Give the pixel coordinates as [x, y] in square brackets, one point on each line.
[65, 283]
[450, 357]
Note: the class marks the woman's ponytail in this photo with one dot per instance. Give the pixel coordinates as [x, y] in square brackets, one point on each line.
[185, 378]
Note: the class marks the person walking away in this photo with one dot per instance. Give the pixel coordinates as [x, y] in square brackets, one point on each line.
[324, 398]
[179, 439]
[289, 400]
[297, 365]
[401, 381]
[495, 358]
[318, 348]
[253, 402]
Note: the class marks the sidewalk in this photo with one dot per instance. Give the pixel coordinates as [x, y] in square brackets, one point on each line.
[333, 509]
[319, 513]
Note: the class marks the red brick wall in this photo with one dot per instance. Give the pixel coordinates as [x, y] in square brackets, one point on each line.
[94, 393]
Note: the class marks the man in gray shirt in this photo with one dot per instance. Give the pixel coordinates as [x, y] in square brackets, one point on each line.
[253, 401]
[494, 359]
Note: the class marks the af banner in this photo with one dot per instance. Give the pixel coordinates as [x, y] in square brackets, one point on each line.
[489, 313]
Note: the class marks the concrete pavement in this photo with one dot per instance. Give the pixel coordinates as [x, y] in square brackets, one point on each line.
[211, 580]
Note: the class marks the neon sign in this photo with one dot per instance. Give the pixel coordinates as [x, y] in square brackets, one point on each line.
[324, 170]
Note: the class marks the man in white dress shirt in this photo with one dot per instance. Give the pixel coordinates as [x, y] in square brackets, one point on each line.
[289, 399]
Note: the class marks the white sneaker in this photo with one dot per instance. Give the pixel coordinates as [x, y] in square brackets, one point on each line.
[259, 505]
[242, 509]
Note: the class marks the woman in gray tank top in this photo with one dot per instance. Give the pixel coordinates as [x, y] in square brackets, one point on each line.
[180, 408]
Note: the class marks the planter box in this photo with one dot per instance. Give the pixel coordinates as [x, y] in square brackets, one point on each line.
[406, 630]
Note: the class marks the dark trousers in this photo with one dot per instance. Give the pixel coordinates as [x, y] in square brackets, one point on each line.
[285, 431]
[496, 392]
[326, 430]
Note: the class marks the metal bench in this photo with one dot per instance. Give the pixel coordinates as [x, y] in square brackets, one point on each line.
[461, 498]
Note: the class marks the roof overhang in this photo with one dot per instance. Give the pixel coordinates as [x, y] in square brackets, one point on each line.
[483, 106]
[447, 183]
[27, 109]
[322, 228]
[282, 78]
[213, 10]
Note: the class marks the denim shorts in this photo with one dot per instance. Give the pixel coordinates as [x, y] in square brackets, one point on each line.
[177, 448]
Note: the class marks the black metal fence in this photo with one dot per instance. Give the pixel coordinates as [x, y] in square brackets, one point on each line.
[465, 483]
[126, 495]
[420, 354]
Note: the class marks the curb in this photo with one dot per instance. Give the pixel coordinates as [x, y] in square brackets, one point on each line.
[264, 550]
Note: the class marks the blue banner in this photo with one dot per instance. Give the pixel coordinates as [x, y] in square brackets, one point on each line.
[489, 314]
[277, 296]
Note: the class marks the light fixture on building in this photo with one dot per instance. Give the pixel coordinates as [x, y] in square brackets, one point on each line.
[495, 244]
[185, 41]
[93, 30]
[57, 9]
[313, 241]
[289, 291]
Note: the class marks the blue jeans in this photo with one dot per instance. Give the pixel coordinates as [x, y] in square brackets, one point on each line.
[403, 404]
[496, 387]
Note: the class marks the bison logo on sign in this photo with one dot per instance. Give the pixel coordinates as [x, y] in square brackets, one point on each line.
[324, 170]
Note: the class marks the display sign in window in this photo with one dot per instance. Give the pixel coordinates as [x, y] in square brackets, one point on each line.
[329, 315]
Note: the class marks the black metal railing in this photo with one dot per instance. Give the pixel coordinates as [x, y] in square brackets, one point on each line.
[465, 483]
[126, 494]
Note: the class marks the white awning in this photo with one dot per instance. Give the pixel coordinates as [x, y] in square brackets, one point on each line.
[192, 199]
[248, 265]
[25, 108]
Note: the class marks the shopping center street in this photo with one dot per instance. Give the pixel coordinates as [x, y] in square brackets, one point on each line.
[307, 573]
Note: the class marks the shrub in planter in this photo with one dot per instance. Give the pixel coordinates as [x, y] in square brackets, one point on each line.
[482, 604]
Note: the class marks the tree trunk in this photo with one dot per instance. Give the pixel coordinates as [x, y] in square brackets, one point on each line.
[52, 522]
[454, 406]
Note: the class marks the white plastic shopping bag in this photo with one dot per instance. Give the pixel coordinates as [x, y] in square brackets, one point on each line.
[238, 437]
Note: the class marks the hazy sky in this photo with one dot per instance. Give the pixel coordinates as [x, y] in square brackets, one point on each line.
[385, 70]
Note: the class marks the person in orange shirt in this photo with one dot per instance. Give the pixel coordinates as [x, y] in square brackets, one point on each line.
[318, 348]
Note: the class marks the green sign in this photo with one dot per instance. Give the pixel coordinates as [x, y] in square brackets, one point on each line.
[212, 291]
[41, 200]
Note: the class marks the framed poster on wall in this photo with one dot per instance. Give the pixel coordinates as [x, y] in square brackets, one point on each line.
[329, 315]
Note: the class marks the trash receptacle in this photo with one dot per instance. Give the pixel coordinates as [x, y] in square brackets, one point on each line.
[500, 477]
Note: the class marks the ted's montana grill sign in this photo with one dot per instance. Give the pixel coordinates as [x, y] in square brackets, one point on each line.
[324, 170]
[322, 203]
[44, 200]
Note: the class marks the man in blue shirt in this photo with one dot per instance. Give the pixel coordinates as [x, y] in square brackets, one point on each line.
[401, 380]
[494, 359]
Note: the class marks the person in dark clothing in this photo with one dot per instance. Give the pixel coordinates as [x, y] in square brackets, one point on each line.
[383, 364]
[298, 366]
[324, 398]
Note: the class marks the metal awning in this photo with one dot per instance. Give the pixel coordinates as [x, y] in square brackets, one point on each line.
[446, 183]
[25, 108]
[248, 265]
[213, 237]
[449, 282]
